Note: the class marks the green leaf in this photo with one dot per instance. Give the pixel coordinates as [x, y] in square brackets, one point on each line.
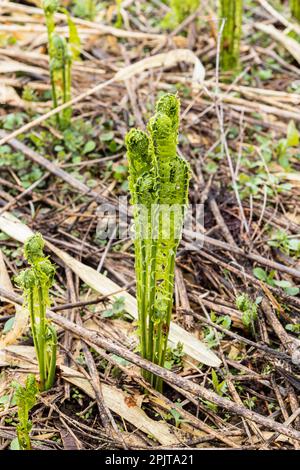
[107, 313]
[107, 136]
[14, 445]
[168, 365]
[284, 161]
[120, 360]
[292, 135]
[294, 244]
[177, 416]
[89, 147]
[117, 309]
[4, 399]
[265, 74]
[8, 325]
[211, 167]
[292, 290]
[215, 380]
[294, 328]
[282, 284]
[260, 274]
[74, 40]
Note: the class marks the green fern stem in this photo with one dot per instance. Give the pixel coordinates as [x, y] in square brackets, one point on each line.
[295, 9]
[41, 338]
[140, 183]
[61, 54]
[231, 11]
[50, 7]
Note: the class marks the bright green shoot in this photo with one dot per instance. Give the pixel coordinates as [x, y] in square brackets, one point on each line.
[180, 9]
[295, 9]
[85, 9]
[25, 400]
[231, 11]
[158, 184]
[119, 20]
[36, 282]
[61, 55]
[248, 309]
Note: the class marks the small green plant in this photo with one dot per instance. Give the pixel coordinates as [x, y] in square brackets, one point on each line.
[293, 327]
[288, 245]
[250, 402]
[219, 387]
[174, 356]
[85, 9]
[283, 147]
[61, 55]
[231, 11]
[36, 282]
[175, 415]
[179, 11]
[248, 309]
[117, 310]
[25, 398]
[119, 20]
[268, 278]
[212, 338]
[158, 183]
[295, 9]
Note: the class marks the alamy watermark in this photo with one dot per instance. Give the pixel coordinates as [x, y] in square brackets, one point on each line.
[159, 221]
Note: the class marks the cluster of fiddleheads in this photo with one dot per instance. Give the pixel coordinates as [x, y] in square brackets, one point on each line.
[158, 183]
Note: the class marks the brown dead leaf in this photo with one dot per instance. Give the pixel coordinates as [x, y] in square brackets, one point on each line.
[110, 12]
[180, 41]
[8, 95]
[293, 217]
[112, 45]
[130, 401]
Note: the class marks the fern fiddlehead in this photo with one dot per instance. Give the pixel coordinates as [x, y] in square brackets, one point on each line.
[36, 282]
[61, 55]
[25, 400]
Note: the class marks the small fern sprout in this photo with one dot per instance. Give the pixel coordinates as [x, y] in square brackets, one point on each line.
[33, 249]
[25, 400]
[61, 65]
[50, 8]
[36, 282]
[179, 11]
[62, 52]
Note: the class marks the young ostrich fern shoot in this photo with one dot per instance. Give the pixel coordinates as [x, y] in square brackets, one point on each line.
[61, 55]
[158, 183]
[295, 9]
[231, 11]
[25, 399]
[36, 282]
